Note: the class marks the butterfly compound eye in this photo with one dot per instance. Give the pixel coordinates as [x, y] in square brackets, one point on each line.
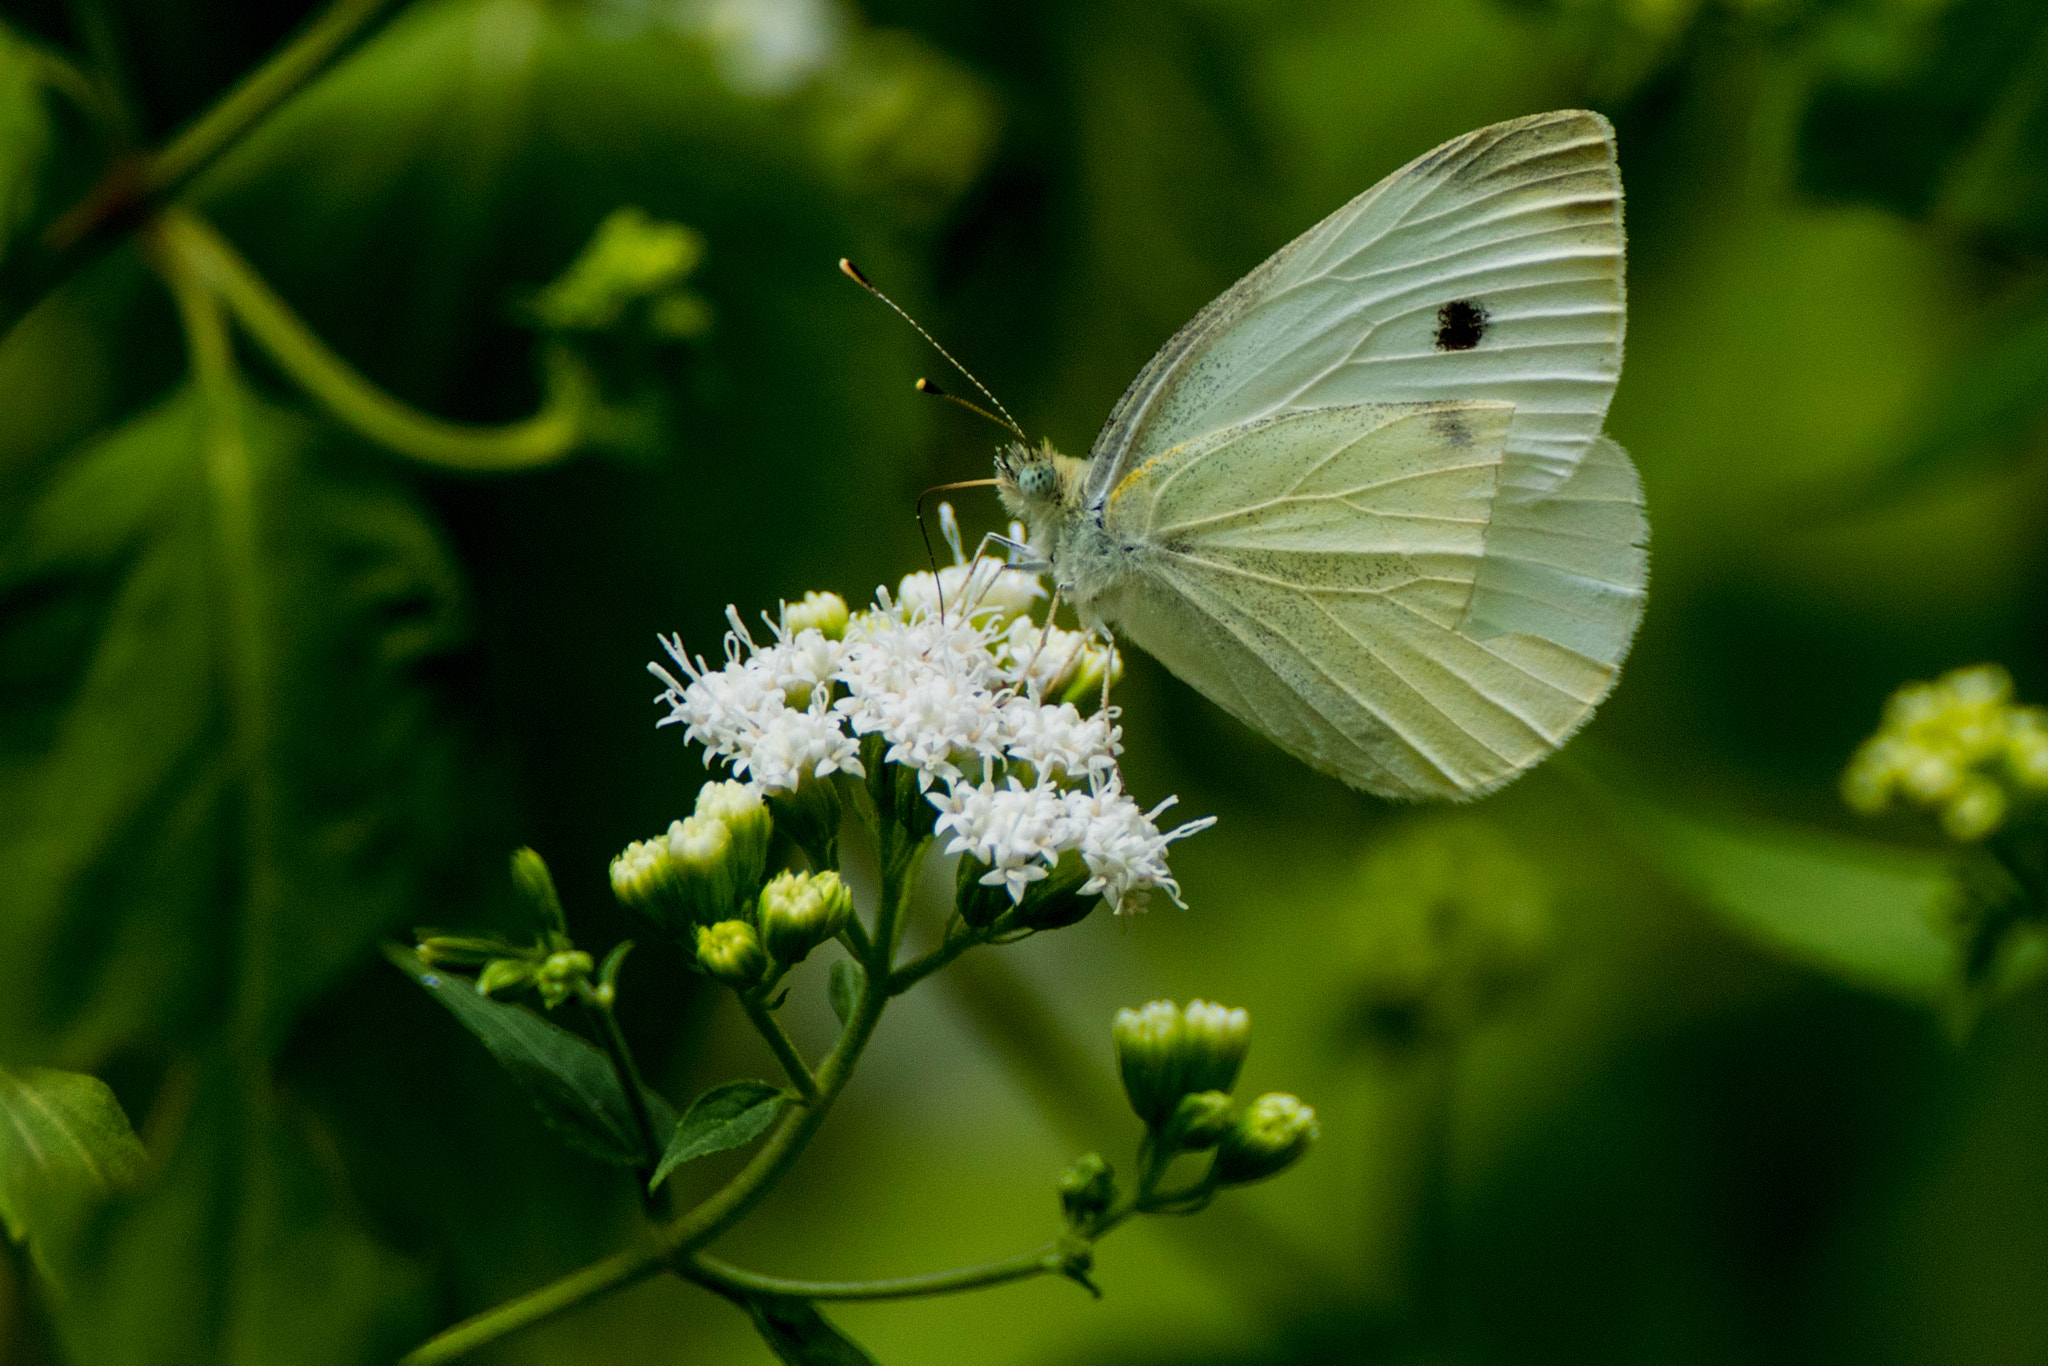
[1036, 480]
[1460, 324]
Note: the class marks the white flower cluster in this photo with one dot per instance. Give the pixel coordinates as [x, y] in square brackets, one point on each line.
[957, 697]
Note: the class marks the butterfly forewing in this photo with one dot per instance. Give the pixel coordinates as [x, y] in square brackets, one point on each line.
[1490, 268]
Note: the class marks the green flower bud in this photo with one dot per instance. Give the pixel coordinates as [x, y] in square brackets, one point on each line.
[800, 911]
[1148, 1055]
[738, 806]
[461, 951]
[731, 952]
[1087, 1189]
[824, 613]
[1977, 809]
[558, 974]
[682, 878]
[506, 975]
[1213, 1044]
[630, 257]
[536, 887]
[1270, 1136]
[1199, 1122]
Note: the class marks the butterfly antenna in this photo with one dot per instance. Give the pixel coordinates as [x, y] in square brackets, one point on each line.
[925, 386]
[852, 272]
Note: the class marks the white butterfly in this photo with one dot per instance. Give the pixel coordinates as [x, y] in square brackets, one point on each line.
[1362, 500]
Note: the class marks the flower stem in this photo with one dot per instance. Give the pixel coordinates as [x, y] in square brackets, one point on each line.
[628, 1073]
[556, 430]
[779, 1043]
[915, 971]
[1048, 1260]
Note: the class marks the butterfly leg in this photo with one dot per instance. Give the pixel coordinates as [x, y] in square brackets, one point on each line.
[1043, 635]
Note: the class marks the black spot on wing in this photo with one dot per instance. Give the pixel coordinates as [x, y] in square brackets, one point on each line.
[1460, 324]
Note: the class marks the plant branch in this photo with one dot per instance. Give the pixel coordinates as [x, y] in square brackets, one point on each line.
[1049, 1260]
[553, 432]
[256, 94]
[951, 947]
[779, 1043]
[628, 1073]
[615, 1272]
[675, 1241]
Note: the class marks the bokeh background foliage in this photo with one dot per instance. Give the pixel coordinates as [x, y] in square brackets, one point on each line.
[1656, 1056]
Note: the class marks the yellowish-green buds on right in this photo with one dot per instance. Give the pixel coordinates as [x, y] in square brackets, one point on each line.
[800, 911]
[1270, 1136]
[731, 952]
[706, 868]
[1959, 746]
[1165, 1053]
[824, 613]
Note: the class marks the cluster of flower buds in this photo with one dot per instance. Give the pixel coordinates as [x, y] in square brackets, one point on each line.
[552, 966]
[1958, 746]
[702, 882]
[1178, 1068]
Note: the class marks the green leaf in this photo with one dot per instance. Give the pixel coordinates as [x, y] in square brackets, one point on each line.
[842, 988]
[568, 1078]
[24, 135]
[224, 772]
[801, 1336]
[723, 1117]
[65, 1147]
[247, 1250]
[1866, 913]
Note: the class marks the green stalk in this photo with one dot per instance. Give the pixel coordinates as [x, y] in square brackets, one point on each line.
[256, 94]
[779, 1044]
[1050, 1260]
[674, 1242]
[231, 485]
[615, 1272]
[553, 432]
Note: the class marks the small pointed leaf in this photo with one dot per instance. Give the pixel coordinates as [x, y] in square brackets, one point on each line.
[843, 988]
[723, 1117]
[568, 1078]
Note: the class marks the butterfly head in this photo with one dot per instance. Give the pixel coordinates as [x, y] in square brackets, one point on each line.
[1037, 483]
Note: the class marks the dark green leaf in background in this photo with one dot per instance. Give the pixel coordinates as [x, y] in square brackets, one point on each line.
[247, 1250]
[1870, 914]
[723, 1117]
[122, 796]
[569, 1079]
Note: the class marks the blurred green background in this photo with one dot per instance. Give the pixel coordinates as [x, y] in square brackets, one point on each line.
[1590, 1091]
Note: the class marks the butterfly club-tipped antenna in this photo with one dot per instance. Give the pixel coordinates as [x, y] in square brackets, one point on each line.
[925, 386]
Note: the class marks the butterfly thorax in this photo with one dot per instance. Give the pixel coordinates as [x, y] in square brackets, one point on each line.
[1045, 490]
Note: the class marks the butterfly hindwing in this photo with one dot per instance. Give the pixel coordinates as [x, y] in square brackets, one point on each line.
[1311, 574]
